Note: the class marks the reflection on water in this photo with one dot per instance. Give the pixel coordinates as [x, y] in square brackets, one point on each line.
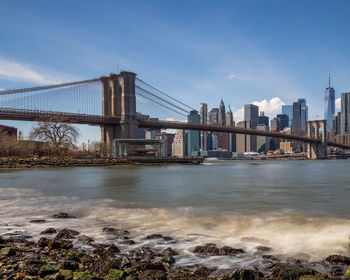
[294, 206]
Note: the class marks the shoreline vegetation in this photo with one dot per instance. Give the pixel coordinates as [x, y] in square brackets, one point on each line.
[65, 254]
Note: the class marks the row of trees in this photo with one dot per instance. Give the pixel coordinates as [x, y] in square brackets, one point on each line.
[47, 139]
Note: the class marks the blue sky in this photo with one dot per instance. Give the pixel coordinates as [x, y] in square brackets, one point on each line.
[198, 51]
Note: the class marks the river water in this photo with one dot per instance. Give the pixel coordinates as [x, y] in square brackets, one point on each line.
[298, 208]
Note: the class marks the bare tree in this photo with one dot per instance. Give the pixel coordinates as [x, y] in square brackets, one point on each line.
[55, 132]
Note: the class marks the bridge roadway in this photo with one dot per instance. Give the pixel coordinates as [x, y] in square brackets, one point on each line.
[26, 115]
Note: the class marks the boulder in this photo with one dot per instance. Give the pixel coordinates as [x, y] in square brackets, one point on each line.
[115, 231]
[43, 242]
[335, 259]
[63, 215]
[85, 239]
[67, 234]
[48, 231]
[281, 271]
[60, 244]
[169, 252]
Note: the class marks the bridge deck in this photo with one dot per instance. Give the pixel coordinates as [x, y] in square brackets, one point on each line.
[25, 115]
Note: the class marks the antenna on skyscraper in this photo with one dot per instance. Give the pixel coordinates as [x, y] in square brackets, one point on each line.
[329, 80]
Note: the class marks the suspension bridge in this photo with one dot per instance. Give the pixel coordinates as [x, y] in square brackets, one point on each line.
[118, 103]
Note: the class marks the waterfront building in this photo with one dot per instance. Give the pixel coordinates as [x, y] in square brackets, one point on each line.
[262, 142]
[329, 105]
[251, 113]
[288, 110]
[193, 138]
[263, 119]
[8, 131]
[283, 120]
[204, 121]
[169, 138]
[246, 143]
[345, 113]
[179, 144]
[296, 125]
[303, 116]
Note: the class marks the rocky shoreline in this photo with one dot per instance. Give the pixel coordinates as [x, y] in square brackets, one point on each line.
[61, 254]
[12, 162]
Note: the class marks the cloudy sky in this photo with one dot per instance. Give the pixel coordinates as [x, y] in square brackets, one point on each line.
[267, 52]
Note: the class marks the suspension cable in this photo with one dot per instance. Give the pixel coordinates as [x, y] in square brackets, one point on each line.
[165, 94]
[138, 93]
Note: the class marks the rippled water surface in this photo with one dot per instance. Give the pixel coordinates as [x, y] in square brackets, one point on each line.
[294, 207]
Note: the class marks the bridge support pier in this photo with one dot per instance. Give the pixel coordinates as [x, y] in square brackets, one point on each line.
[317, 150]
[118, 100]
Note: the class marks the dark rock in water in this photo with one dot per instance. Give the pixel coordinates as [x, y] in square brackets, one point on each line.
[335, 259]
[263, 249]
[289, 272]
[127, 242]
[215, 251]
[270, 257]
[158, 236]
[60, 244]
[169, 252]
[203, 271]
[43, 242]
[226, 250]
[115, 231]
[85, 239]
[67, 233]
[207, 250]
[38, 221]
[113, 249]
[48, 231]
[63, 215]
[144, 253]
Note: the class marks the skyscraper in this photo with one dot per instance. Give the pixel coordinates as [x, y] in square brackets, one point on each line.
[263, 119]
[303, 116]
[284, 121]
[214, 116]
[329, 104]
[251, 113]
[193, 135]
[230, 136]
[222, 118]
[296, 125]
[204, 120]
[345, 113]
[288, 110]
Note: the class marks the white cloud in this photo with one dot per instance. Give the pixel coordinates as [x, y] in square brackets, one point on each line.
[12, 70]
[270, 107]
[338, 104]
[232, 76]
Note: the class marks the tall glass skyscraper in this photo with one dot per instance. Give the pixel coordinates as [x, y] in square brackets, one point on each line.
[329, 105]
[288, 110]
[303, 115]
[345, 113]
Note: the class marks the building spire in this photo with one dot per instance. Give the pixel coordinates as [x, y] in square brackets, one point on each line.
[329, 80]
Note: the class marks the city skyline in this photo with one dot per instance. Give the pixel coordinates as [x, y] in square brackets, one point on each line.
[254, 62]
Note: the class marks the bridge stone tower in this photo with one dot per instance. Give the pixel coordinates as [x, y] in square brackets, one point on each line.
[317, 150]
[119, 100]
